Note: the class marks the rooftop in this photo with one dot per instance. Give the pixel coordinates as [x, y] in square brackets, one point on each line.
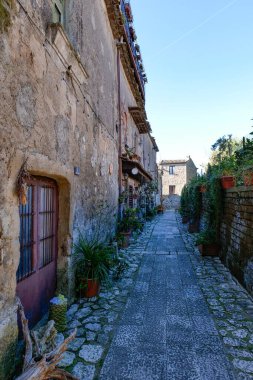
[175, 162]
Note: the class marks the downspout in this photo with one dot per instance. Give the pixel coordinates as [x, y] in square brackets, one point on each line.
[119, 43]
[119, 130]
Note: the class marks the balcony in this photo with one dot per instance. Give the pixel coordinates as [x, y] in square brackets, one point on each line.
[133, 46]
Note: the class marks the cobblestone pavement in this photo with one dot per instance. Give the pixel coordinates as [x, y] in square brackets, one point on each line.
[96, 319]
[174, 315]
[230, 305]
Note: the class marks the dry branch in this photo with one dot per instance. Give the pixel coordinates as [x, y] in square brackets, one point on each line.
[42, 366]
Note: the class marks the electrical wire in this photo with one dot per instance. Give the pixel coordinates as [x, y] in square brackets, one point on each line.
[99, 119]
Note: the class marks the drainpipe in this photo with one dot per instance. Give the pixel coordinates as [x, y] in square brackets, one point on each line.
[119, 44]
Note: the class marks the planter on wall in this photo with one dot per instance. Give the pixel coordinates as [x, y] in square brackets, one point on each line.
[193, 227]
[227, 182]
[185, 219]
[212, 249]
[202, 189]
[248, 178]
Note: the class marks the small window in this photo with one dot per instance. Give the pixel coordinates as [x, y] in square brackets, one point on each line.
[172, 189]
[58, 14]
[171, 169]
[58, 11]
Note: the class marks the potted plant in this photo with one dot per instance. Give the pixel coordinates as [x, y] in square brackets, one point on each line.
[228, 169]
[245, 162]
[194, 205]
[248, 177]
[245, 173]
[93, 261]
[130, 222]
[160, 209]
[184, 205]
[207, 244]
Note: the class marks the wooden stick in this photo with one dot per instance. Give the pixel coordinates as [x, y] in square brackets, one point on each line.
[28, 359]
[45, 368]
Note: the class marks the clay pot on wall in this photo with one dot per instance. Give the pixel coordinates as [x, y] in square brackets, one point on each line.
[248, 178]
[227, 182]
[185, 219]
[212, 249]
[202, 188]
[193, 227]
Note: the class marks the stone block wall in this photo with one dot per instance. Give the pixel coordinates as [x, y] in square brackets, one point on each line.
[178, 179]
[191, 170]
[237, 234]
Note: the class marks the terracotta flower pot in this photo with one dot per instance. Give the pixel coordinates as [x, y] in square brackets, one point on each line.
[193, 227]
[227, 182]
[126, 238]
[248, 179]
[185, 219]
[212, 249]
[200, 248]
[90, 288]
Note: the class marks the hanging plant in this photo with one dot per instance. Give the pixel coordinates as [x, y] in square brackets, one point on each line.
[22, 188]
[124, 196]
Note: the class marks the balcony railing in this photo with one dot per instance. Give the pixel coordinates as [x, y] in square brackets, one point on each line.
[131, 37]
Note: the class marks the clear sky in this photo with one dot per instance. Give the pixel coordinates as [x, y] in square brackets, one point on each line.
[198, 55]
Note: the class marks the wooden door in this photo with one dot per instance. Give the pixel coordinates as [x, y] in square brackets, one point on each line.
[172, 189]
[36, 274]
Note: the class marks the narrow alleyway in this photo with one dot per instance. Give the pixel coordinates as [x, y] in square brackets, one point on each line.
[166, 331]
[173, 316]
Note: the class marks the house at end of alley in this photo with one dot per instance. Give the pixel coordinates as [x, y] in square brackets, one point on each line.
[176, 174]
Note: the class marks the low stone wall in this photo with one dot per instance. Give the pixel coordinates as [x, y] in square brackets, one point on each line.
[237, 234]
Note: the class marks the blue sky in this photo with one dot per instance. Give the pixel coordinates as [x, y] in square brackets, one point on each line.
[198, 55]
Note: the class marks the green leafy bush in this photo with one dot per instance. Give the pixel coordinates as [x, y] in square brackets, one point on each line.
[206, 237]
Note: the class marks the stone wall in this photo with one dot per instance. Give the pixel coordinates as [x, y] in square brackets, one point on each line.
[191, 170]
[237, 234]
[59, 110]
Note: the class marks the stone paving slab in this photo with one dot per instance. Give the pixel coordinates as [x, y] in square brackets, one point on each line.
[173, 315]
[173, 318]
[96, 319]
[229, 305]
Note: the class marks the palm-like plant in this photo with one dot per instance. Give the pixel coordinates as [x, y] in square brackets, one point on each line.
[92, 260]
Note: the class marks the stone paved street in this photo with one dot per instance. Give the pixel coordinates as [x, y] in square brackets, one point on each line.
[174, 315]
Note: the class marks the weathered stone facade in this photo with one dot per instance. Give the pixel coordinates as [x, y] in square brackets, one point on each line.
[237, 234]
[176, 174]
[60, 111]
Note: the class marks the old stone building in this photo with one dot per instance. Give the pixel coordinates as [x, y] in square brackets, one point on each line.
[72, 99]
[176, 174]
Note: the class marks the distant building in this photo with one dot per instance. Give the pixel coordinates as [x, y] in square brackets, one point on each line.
[176, 173]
